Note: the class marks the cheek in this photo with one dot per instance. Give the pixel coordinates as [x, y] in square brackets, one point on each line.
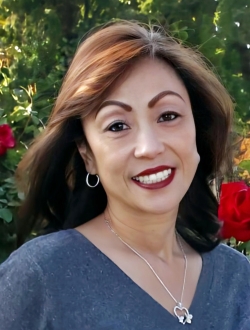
[196, 160]
[110, 156]
[110, 161]
[194, 145]
[188, 148]
[192, 155]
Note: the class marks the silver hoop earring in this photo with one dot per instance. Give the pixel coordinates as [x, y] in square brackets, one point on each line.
[87, 181]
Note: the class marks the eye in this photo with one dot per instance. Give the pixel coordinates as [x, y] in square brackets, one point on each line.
[117, 126]
[168, 116]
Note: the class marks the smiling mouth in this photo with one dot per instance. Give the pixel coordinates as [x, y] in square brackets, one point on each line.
[154, 178]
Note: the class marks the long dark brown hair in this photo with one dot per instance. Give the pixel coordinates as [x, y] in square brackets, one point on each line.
[52, 172]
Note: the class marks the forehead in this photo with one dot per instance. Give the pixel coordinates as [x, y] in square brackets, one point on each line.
[146, 78]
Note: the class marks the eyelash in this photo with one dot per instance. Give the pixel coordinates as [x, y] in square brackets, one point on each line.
[120, 122]
[117, 122]
[169, 113]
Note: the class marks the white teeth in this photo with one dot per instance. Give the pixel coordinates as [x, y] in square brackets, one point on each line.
[159, 175]
[153, 178]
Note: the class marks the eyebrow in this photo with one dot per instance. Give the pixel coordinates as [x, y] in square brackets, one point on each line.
[114, 102]
[151, 103]
[161, 95]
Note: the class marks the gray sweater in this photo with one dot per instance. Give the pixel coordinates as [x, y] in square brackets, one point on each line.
[62, 281]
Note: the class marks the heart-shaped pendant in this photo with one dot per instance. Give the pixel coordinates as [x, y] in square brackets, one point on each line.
[186, 318]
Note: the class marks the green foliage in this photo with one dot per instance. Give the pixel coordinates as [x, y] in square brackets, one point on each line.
[245, 165]
[39, 38]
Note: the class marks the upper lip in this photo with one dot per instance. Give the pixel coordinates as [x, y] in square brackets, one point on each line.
[153, 170]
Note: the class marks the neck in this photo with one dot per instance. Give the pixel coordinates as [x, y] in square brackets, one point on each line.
[154, 235]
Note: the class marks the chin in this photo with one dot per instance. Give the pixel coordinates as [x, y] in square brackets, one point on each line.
[159, 209]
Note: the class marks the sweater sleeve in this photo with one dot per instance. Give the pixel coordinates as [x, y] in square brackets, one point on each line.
[22, 293]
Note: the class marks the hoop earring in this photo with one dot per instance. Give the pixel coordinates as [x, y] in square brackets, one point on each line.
[87, 181]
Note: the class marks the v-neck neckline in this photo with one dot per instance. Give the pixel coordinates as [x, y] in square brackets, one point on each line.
[204, 281]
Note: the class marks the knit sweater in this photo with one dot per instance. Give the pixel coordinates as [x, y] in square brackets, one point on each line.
[62, 281]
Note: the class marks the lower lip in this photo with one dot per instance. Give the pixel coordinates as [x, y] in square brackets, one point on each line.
[157, 185]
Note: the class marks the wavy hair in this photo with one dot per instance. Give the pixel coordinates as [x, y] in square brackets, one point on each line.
[52, 172]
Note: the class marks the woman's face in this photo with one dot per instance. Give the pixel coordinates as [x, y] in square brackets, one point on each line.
[143, 140]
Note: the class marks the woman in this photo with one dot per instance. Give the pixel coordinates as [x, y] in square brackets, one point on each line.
[138, 128]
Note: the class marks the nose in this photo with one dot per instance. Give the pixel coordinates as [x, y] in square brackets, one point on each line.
[148, 144]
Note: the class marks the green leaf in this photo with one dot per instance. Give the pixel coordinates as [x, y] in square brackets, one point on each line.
[21, 196]
[245, 165]
[3, 121]
[10, 180]
[31, 128]
[5, 71]
[19, 114]
[6, 215]
[242, 246]
[35, 120]
[3, 201]
[183, 35]
[14, 203]
[20, 95]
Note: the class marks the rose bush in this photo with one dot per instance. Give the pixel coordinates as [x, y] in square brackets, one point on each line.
[234, 211]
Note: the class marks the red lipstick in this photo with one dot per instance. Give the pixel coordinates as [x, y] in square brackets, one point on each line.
[156, 185]
[153, 170]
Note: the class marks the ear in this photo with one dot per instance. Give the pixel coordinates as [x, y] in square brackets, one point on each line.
[87, 157]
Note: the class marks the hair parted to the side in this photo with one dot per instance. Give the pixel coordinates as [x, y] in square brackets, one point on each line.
[53, 172]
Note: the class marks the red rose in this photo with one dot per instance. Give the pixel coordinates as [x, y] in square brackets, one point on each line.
[234, 211]
[7, 140]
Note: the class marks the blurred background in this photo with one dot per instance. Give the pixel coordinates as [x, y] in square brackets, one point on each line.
[39, 37]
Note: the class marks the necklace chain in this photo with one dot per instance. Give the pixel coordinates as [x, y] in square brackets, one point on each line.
[182, 319]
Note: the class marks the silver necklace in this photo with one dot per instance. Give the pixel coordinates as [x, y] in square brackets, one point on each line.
[178, 309]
